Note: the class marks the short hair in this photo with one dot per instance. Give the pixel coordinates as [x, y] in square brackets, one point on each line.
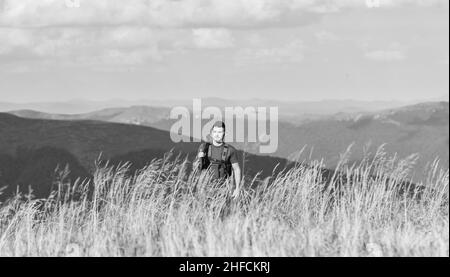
[219, 123]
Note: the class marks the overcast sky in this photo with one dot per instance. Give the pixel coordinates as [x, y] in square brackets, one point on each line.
[278, 49]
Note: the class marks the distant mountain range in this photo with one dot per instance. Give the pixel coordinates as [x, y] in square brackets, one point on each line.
[421, 128]
[287, 108]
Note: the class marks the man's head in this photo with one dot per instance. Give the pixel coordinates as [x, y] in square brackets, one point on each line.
[218, 131]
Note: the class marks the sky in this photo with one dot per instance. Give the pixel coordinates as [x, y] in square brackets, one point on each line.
[57, 50]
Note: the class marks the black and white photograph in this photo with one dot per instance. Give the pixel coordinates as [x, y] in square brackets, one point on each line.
[234, 131]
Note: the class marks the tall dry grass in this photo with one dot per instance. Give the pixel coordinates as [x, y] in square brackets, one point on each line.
[163, 211]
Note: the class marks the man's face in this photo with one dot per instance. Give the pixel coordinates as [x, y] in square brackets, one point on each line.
[217, 134]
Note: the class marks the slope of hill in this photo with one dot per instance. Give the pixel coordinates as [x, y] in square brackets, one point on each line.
[405, 130]
[38, 170]
[31, 149]
[139, 115]
[85, 138]
[421, 128]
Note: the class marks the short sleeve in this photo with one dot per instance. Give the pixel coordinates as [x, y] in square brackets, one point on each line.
[233, 155]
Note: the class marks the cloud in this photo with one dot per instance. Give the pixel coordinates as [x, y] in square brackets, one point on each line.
[292, 52]
[326, 36]
[74, 32]
[332, 6]
[13, 38]
[386, 55]
[81, 46]
[155, 13]
[212, 38]
[379, 51]
[179, 13]
[139, 31]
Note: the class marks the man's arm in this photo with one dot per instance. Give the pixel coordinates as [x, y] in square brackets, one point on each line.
[237, 178]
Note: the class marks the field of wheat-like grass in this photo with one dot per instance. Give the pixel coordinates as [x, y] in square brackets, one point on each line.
[162, 210]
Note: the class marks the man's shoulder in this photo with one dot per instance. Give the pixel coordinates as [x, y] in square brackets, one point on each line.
[203, 145]
[230, 147]
[232, 154]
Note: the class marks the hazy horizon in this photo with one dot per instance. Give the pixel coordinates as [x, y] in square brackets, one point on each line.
[68, 100]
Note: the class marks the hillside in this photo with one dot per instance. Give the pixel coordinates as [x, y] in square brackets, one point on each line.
[421, 128]
[138, 115]
[405, 130]
[31, 149]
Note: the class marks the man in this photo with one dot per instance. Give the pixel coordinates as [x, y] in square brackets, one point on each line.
[220, 159]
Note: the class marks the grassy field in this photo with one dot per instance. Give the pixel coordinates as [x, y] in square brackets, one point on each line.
[163, 211]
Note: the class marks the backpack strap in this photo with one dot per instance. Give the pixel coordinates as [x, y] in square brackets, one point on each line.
[208, 150]
[224, 152]
[204, 161]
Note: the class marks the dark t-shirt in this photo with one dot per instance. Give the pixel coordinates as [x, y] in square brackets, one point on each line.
[216, 153]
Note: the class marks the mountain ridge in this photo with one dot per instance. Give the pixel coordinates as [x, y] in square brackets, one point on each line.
[31, 149]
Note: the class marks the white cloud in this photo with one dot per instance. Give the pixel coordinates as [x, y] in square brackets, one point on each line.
[329, 6]
[292, 52]
[381, 52]
[326, 36]
[180, 13]
[81, 46]
[16, 68]
[136, 31]
[212, 38]
[13, 38]
[386, 55]
[155, 13]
